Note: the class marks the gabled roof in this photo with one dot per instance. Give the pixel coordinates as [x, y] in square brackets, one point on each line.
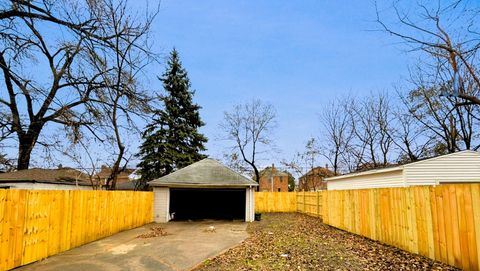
[204, 173]
[268, 172]
[318, 171]
[397, 168]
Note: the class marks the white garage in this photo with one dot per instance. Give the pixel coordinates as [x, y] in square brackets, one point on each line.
[459, 167]
[204, 190]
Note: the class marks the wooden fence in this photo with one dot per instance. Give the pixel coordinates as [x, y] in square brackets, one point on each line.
[35, 224]
[309, 203]
[441, 222]
[266, 202]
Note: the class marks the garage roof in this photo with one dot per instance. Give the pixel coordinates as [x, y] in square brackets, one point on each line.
[204, 173]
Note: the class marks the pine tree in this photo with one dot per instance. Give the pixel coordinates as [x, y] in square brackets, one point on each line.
[172, 141]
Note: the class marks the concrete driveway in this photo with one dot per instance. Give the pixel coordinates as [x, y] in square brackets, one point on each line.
[186, 245]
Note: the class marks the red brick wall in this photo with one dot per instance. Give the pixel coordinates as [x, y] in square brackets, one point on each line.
[279, 182]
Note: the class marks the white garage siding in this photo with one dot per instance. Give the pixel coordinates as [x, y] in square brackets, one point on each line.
[459, 167]
[161, 204]
[250, 205]
[392, 178]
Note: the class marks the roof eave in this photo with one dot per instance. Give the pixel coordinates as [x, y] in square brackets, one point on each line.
[43, 181]
[200, 185]
[369, 172]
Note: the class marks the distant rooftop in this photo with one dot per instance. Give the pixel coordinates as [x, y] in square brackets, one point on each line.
[268, 172]
[206, 172]
[61, 176]
[105, 172]
[319, 171]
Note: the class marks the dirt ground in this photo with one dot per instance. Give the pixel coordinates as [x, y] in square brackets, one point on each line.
[299, 242]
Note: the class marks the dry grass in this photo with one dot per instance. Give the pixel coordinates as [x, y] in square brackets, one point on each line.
[299, 242]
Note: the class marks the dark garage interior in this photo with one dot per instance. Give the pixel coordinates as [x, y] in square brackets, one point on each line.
[196, 204]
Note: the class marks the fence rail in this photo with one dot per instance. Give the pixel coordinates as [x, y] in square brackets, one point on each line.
[35, 224]
[309, 203]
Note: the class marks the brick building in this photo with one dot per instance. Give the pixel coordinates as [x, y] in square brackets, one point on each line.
[314, 179]
[273, 180]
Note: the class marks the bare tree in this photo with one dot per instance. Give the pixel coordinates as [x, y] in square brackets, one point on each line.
[119, 67]
[84, 158]
[450, 128]
[371, 143]
[303, 164]
[409, 136]
[250, 126]
[446, 79]
[337, 130]
[445, 31]
[5, 163]
[358, 133]
[383, 120]
[234, 161]
[89, 65]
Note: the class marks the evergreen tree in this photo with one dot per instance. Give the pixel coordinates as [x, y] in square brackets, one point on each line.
[172, 141]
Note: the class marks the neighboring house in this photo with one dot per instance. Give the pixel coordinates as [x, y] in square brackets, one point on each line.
[126, 186]
[314, 180]
[132, 181]
[459, 167]
[46, 179]
[122, 177]
[203, 190]
[273, 180]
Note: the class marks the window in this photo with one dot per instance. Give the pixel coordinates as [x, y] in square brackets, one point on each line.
[279, 190]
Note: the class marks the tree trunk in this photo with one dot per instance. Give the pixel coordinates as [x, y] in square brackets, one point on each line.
[257, 176]
[24, 153]
[26, 144]
[112, 179]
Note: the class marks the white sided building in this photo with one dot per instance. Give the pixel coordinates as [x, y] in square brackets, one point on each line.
[459, 167]
[204, 190]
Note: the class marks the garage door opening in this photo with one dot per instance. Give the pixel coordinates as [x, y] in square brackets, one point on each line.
[196, 204]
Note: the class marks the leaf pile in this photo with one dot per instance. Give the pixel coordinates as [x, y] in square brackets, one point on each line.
[299, 242]
[154, 232]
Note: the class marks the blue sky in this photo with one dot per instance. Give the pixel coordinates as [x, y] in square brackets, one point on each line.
[296, 55]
